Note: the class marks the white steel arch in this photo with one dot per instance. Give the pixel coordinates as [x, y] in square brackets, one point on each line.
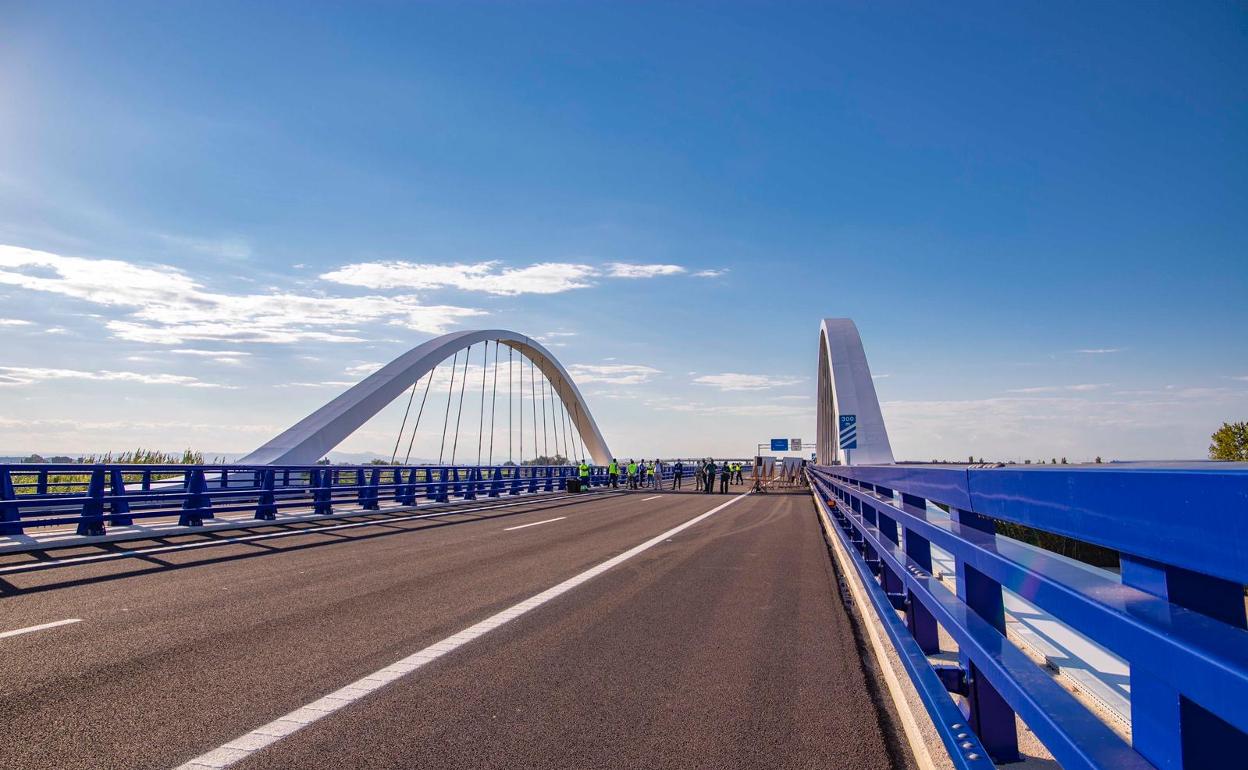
[311, 438]
[846, 388]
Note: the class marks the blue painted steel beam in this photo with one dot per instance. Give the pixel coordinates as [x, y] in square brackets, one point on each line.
[1205, 658]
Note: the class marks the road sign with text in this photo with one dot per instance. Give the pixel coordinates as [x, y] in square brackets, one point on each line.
[779, 445]
[849, 431]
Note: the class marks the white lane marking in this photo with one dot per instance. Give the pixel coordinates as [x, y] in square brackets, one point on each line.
[656, 497]
[40, 627]
[28, 566]
[245, 745]
[534, 524]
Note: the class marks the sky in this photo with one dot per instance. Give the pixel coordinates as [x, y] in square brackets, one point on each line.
[215, 217]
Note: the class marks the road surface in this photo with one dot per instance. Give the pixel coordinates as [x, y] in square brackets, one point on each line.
[724, 644]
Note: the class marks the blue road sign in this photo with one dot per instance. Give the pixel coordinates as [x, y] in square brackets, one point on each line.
[779, 445]
[849, 431]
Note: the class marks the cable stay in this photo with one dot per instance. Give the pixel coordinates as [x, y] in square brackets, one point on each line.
[407, 458]
[460, 413]
[449, 393]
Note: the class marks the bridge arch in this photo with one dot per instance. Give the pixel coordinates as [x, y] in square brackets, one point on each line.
[846, 388]
[311, 438]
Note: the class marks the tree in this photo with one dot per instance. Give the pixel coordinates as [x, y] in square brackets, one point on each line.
[1098, 460]
[1230, 442]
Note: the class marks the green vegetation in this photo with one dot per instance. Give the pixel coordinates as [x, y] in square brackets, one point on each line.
[26, 482]
[1230, 442]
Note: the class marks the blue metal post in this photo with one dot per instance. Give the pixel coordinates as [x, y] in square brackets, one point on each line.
[496, 483]
[515, 480]
[919, 619]
[1171, 731]
[120, 506]
[470, 488]
[323, 492]
[10, 519]
[532, 478]
[361, 489]
[373, 502]
[266, 505]
[92, 522]
[550, 479]
[991, 717]
[443, 487]
[198, 505]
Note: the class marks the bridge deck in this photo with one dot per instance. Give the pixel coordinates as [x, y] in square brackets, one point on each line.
[724, 645]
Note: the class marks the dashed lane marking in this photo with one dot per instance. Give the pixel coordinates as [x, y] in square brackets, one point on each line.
[245, 745]
[534, 524]
[655, 497]
[40, 627]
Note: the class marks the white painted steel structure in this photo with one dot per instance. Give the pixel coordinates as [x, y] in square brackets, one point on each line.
[311, 438]
[846, 388]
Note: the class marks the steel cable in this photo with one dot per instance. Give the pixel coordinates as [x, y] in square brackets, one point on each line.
[450, 390]
[407, 458]
[460, 414]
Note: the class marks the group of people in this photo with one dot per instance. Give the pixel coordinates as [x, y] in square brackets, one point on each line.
[727, 472]
[640, 475]
[637, 475]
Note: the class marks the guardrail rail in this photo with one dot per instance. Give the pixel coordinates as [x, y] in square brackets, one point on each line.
[1177, 615]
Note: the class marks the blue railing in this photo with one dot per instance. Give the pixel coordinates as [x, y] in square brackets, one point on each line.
[1177, 615]
[94, 497]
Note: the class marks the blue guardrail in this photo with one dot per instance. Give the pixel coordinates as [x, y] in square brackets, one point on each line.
[1176, 614]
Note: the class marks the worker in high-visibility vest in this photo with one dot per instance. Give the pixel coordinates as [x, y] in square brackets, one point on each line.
[736, 473]
[584, 473]
[613, 473]
[632, 474]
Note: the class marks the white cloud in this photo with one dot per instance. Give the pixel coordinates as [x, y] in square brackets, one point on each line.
[166, 306]
[628, 270]
[1080, 388]
[710, 273]
[736, 381]
[14, 322]
[738, 410]
[1096, 351]
[488, 277]
[364, 369]
[23, 375]
[209, 353]
[880, 376]
[56, 330]
[1165, 424]
[615, 374]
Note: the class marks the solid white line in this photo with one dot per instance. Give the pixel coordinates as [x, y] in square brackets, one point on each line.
[244, 746]
[40, 627]
[656, 497]
[534, 524]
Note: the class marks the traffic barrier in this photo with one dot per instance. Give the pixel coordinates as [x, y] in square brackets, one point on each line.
[1177, 614]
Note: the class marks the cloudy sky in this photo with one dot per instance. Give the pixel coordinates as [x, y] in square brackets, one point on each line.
[214, 218]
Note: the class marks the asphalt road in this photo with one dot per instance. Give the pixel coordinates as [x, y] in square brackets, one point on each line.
[725, 645]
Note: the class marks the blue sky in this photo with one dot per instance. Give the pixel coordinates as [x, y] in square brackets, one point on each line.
[1034, 212]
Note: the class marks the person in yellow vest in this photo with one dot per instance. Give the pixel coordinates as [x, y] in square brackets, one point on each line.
[613, 473]
[736, 474]
[650, 476]
[584, 473]
[632, 474]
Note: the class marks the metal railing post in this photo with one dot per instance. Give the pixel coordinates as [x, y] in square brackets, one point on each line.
[991, 717]
[92, 522]
[919, 619]
[10, 516]
[266, 504]
[198, 505]
[119, 506]
[1170, 730]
